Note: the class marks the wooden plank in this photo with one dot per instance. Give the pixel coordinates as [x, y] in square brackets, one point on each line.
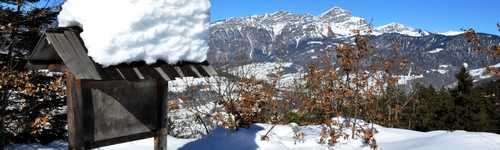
[129, 73]
[198, 74]
[163, 74]
[123, 139]
[211, 71]
[201, 70]
[139, 74]
[120, 73]
[149, 72]
[111, 74]
[74, 99]
[78, 47]
[170, 71]
[179, 71]
[74, 56]
[187, 71]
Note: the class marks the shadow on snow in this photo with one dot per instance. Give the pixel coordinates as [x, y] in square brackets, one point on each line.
[224, 139]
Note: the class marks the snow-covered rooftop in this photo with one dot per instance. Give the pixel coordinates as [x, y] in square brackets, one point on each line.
[118, 31]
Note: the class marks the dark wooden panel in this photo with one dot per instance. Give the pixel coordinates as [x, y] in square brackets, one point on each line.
[44, 52]
[122, 109]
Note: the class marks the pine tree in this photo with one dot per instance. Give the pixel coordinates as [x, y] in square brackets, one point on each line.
[21, 22]
[470, 107]
[460, 93]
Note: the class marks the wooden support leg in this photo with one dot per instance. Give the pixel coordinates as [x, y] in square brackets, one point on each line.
[161, 136]
[73, 100]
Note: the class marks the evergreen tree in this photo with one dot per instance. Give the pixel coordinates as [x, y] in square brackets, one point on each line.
[470, 107]
[459, 94]
[21, 22]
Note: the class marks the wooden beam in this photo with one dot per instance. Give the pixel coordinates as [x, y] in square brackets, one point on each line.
[160, 140]
[74, 99]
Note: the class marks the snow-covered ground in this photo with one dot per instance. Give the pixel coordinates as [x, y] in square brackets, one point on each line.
[281, 137]
[259, 71]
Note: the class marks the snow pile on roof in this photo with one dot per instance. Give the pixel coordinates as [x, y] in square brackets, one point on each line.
[117, 31]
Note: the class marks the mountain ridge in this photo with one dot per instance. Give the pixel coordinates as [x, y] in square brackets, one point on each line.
[302, 38]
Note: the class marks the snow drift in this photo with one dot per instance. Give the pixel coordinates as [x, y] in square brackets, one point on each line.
[117, 31]
[281, 137]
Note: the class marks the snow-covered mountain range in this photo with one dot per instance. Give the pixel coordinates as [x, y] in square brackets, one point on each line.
[303, 38]
[336, 21]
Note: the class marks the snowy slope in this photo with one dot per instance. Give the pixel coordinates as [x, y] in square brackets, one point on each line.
[259, 71]
[481, 73]
[451, 33]
[281, 138]
[401, 29]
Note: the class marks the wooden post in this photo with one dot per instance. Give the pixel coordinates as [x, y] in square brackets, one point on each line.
[160, 138]
[73, 100]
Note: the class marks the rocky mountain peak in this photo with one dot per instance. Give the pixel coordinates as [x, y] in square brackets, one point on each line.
[401, 29]
[335, 11]
[281, 13]
[336, 14]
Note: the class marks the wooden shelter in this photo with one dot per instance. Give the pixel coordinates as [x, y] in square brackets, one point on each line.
[114, 104]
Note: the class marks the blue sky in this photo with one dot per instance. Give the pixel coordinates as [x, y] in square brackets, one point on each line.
[432, 15]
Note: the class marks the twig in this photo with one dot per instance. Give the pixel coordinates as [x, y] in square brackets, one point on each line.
[269, 131]
[203, 122]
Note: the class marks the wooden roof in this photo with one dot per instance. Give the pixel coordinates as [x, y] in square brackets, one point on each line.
[65, 46]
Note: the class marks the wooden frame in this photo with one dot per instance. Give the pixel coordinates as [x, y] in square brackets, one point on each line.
[86, 99]
[114, 104]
